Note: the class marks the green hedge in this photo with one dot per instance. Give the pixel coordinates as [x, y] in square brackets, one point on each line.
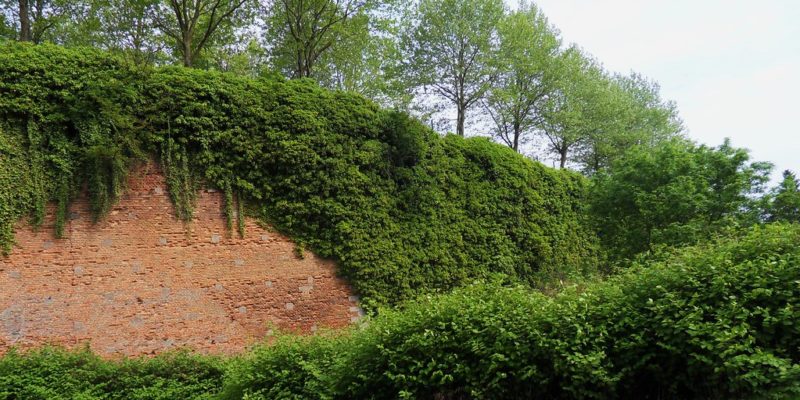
[402, 210]
[713, 322]
[56, 374]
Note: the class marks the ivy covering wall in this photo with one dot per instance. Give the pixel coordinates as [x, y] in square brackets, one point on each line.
[66, 120]
[401, 209]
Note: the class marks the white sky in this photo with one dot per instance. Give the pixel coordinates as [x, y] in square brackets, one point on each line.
[732, 66]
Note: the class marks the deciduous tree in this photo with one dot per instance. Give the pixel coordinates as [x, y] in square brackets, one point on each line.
[129, 26]
[304, 31]
[632, 113]
[449, 49]
[526, 62]
[576, 107]
[35, 19]
[674, 193]
[784, 201]
[193, 24]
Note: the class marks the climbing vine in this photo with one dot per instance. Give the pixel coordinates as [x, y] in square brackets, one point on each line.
[67, 126]
[62, 198]
[240, 215]
[181, 184]
[228, 192]
[233, 200]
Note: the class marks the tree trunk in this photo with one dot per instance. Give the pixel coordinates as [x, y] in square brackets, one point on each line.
[309, 62]
[563, 154]
[517, 134]
[460, 120]
[187, 54]
[299, 71]
[24, 21]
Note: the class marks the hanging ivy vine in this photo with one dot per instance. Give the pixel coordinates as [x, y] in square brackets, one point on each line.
[228, 194]
[240, 215]
[67, 126]
[181, 183]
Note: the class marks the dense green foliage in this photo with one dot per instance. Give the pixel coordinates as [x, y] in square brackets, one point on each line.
[56, 374]
[711, 322]
[716, 321]
[783, 203]
[405, 211]
[477, 60]
[402, 209]
[676, 193]
[65, 119]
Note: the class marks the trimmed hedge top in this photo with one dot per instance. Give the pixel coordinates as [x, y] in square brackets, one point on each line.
[400, 208]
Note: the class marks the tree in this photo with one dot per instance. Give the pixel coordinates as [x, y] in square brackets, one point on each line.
[35, 19]
[526, 76]
[129, 27]
[7, 30]
[305, 30]
[363, 59]
[25, 31]
[591, 118]
[634, 115]
[193, 24]
[579, 105]
[674, 193]
[450, 48]
[784, 201]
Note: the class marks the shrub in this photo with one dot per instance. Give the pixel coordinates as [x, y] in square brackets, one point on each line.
[715, 321]
[52, 374]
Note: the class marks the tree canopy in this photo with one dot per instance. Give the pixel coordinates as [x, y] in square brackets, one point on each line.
[673, 194]
[476, 67]
[784, 200]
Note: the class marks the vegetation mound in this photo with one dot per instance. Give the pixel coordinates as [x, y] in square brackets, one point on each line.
[402, 209]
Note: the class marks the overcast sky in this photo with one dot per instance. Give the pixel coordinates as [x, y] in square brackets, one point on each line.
[732, 66]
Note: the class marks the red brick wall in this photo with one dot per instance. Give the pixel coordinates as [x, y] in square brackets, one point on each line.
[141, 282]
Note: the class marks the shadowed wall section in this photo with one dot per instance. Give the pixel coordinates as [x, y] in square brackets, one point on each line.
[141, 282]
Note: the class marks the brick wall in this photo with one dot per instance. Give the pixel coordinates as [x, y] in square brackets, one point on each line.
[140, 282]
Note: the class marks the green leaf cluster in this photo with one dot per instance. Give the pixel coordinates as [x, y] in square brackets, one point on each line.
[66, 119]
[783, 203]
[402, 209]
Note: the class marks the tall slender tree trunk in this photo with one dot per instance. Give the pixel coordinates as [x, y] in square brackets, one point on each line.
[24, 21]
[563, 159]
[517, 134]
[460, 119]
[187, 53]
[299, 70]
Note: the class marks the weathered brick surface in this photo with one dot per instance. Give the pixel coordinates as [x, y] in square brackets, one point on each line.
[141, 282]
